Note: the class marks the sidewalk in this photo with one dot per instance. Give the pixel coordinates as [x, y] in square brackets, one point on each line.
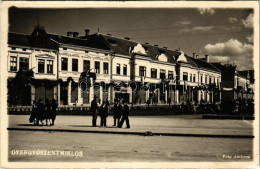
[178, 125]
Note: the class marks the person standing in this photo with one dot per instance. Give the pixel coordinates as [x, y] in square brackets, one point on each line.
[54, 106]
[125, 116]
[103, 114]
[33, 114]
[40, 112]
[115, 116]
[47, 112]
[94, 111]
[119, 111]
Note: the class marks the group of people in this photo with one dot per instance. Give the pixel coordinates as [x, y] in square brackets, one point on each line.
[121, 113]
[43, 111]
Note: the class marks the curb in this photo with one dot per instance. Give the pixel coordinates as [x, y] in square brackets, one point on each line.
[135, 133]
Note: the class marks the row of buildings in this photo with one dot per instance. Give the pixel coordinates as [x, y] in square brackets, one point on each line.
[73, 69]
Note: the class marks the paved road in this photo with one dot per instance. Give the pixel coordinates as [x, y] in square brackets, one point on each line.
[179, 124]
[127, 148]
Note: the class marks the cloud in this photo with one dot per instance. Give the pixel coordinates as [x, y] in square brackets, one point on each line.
[206, 11]
[230, 28]
[248, 22]
[197, 29]
[223, 59]
[250, 38]
[183, 23]
[232, 20]
[240, 53]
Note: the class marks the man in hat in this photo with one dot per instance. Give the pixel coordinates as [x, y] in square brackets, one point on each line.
[94, 111]
[125, 116]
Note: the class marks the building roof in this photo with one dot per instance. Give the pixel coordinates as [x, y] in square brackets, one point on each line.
[123, 46]
[204, 64]
[27, 40]
[40, 38]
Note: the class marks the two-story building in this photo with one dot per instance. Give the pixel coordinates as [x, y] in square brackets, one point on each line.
[121, 68]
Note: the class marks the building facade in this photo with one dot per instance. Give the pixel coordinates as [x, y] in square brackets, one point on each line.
[73, 69]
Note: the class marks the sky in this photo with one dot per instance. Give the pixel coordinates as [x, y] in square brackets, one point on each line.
[224, 34]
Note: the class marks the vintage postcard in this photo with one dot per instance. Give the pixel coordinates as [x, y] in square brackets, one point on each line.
[129, 84]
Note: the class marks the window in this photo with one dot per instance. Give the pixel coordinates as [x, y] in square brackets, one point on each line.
[49, 66]
[185, 76]
[75, 65]
[125, 70]
[201, 79]
[105, 68]
[64, 48]
[13, 48]
[170, 74]
[162, 74]
[118, 68]
[86, 51]
[97, 67]
[190, 77]
[24, 63]
[13, 63]
[206, 78]
[142, 71]
[24, 49]
[153, 73]
[213, 81]
[194, 78]
[64, 63]
[86, 65]
[40, 66]
[210, 80]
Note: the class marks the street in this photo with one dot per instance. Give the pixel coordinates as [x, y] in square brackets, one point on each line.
[74, 133]
[127, 148]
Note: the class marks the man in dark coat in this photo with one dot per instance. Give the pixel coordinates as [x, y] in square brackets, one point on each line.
[40, 112]
[119, 111]
[94, 109]
[47, 111]
[125, 116]
[54, 106]
[103, 114]
[115, 116]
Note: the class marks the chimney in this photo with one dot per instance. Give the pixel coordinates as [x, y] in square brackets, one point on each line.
[75, 34]
[197, 56]
[87, 32]
[207, 58]
[69, 34]
[165, 47]
[156, 45]
[194, 55]
[127, 38]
